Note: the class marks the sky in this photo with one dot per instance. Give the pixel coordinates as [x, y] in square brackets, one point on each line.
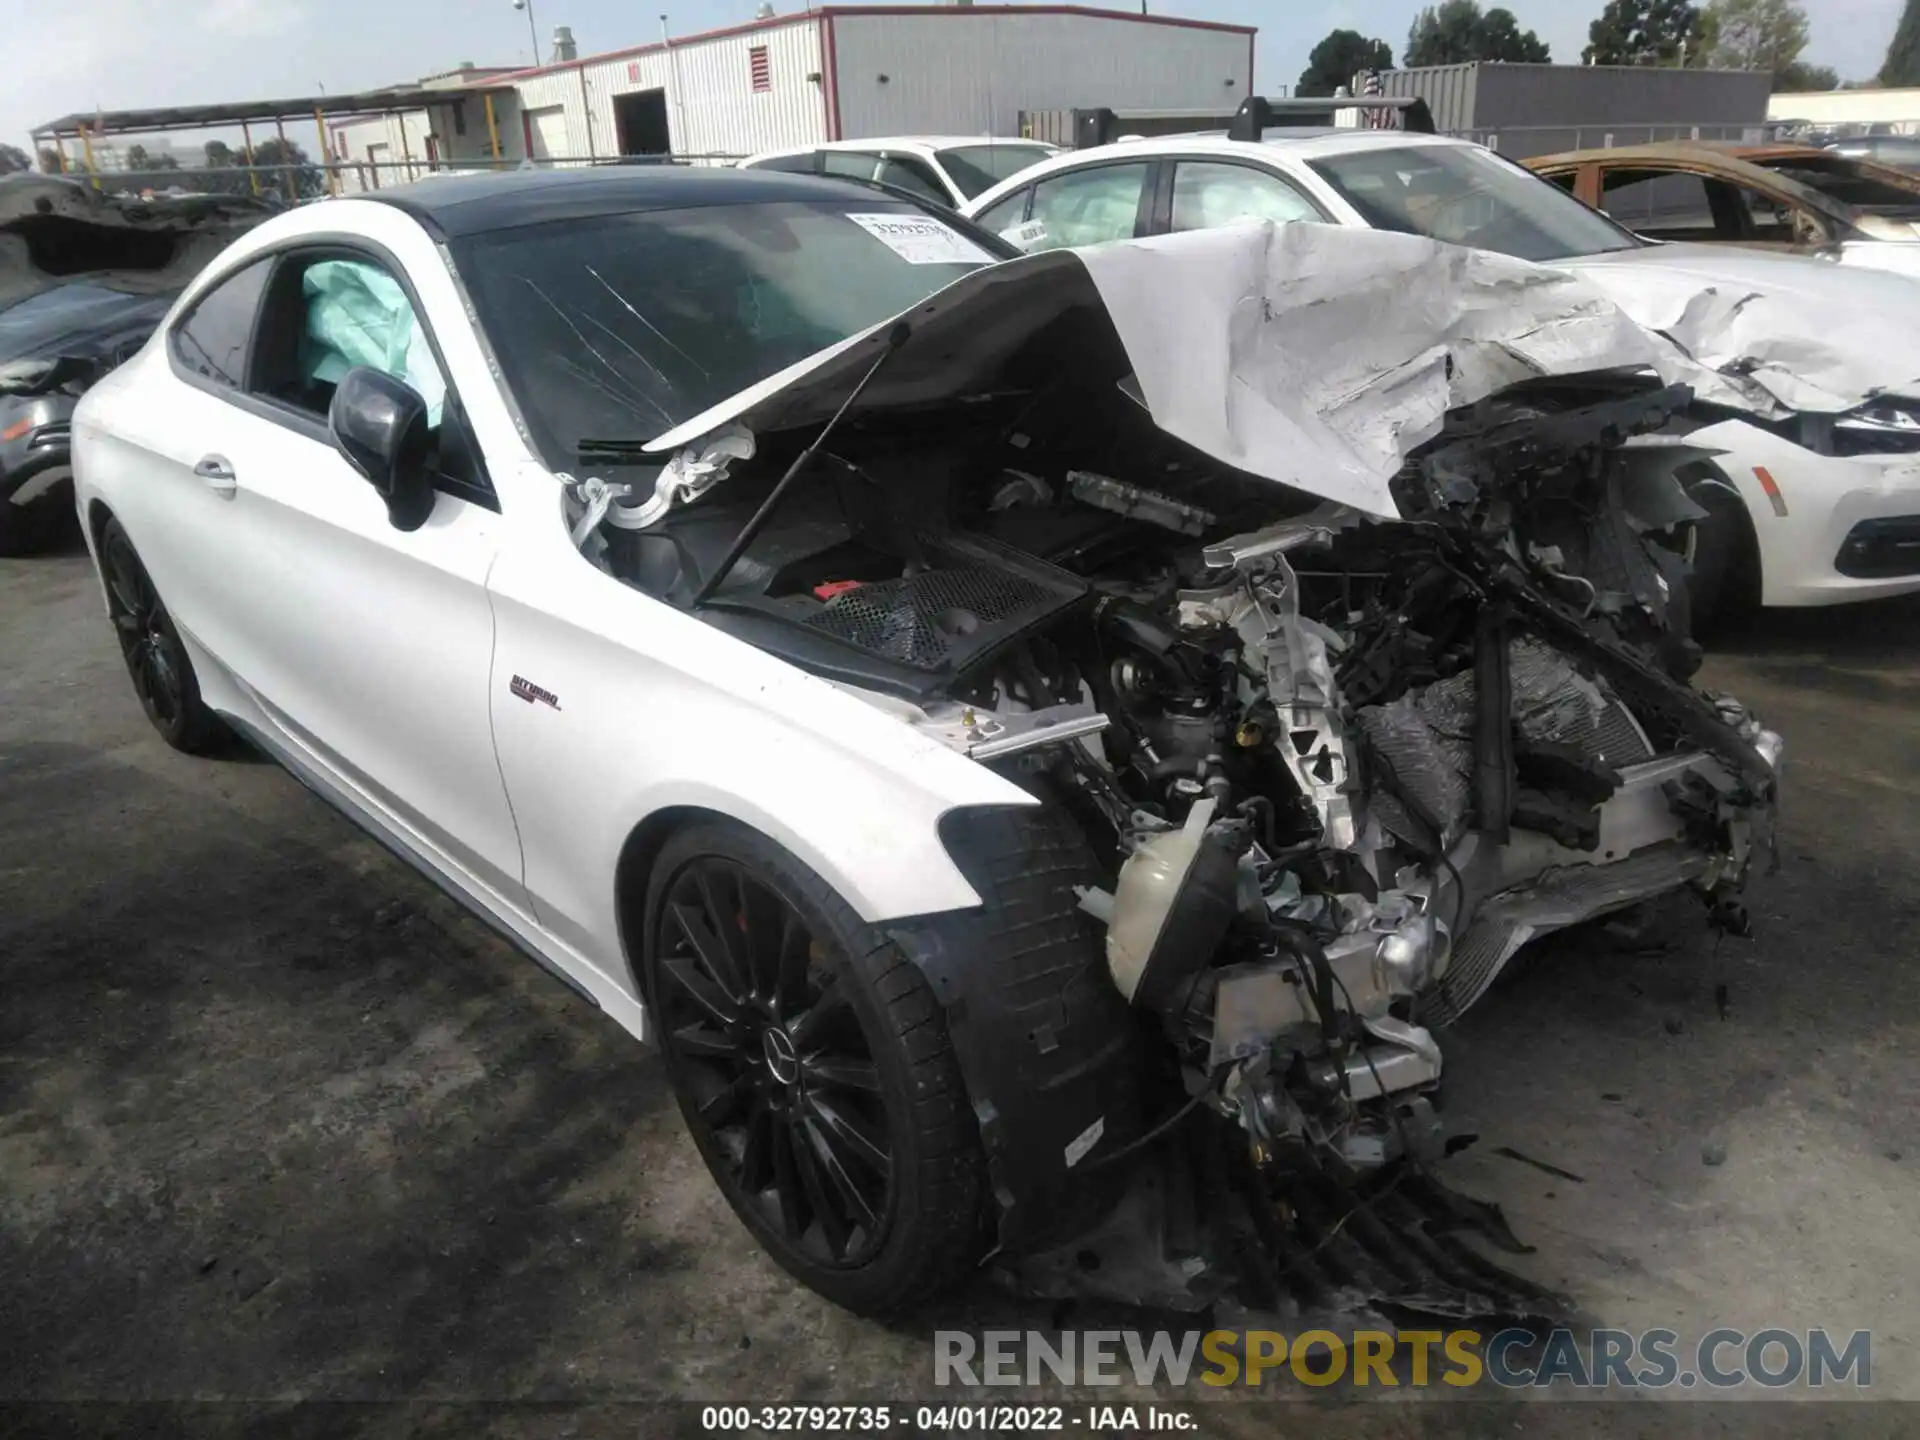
[122, 54]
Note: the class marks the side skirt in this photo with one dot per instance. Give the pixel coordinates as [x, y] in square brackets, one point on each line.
[630, 1013]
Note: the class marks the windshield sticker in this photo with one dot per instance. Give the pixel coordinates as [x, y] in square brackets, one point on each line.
[1027, 235]
[922, 240]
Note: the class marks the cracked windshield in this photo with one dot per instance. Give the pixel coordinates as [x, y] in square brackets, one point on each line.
[617, 329]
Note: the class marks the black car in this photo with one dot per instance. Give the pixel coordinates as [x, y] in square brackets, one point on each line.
[84, 279]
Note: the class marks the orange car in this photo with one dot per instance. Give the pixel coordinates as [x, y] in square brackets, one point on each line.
[1789, 197]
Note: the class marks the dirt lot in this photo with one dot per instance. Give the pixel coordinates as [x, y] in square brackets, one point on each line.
[279, 1123]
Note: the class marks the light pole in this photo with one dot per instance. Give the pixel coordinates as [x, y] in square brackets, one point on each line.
[533, 30]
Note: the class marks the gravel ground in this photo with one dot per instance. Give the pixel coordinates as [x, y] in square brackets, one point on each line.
[278, 1123]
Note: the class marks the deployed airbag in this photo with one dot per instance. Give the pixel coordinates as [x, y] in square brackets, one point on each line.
[357, 314]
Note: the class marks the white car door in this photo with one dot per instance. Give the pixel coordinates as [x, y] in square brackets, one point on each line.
[352, 646]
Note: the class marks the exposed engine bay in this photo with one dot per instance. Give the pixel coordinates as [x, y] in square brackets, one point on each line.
[1332, 770]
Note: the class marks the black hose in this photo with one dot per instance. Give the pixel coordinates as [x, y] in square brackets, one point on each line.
[1164, 1127]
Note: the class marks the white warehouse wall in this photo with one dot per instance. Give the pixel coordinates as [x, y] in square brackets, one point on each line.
[711, 105]
[972, 71]
[1899, 108]
[379, 137]
[948, 69]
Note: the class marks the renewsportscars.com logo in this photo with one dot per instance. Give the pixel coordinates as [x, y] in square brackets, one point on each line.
[1596, 1359]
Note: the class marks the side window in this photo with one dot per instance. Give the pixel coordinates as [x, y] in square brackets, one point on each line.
[329, 312]
[850, 164]
[1085, 207]
[1772, 221]
[1665, 207]
[913, 177]
[211, 340]
[1004, 219]
[1208, 194]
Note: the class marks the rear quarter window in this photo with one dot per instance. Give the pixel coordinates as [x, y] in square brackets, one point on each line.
[211, 340]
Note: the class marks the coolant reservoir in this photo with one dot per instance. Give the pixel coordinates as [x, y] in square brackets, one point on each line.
[1171, 909]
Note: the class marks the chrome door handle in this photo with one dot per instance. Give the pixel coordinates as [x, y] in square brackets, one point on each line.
[218, 473]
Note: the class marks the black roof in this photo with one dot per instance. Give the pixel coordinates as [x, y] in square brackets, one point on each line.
[471, 204]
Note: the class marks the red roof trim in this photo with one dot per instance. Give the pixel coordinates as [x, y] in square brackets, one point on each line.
[827, 13]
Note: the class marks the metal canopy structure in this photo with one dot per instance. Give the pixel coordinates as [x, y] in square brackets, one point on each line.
[395, 100]
[207, 117]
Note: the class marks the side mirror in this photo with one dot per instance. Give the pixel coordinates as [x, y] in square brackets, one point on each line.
[379, 424]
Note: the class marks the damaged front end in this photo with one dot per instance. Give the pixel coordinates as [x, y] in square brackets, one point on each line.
[1312, 760]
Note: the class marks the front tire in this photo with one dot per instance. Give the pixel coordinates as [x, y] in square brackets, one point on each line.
[1725, 561]
[813, 1068]
[157, 660]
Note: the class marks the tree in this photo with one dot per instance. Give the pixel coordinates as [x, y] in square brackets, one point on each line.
[1649, 32]
[12, 159]
[1338, 58]
[1501, 38]
[1456, 31]
[1757, 34]
[1902, 65]
[1444, 34]
[1801, 77]
[292, 173]
[225, 172]
[50, 161]
[138, 159]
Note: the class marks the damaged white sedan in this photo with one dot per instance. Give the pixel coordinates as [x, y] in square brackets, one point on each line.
[1041, 746]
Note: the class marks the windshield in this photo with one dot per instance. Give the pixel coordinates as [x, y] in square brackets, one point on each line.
[1469, 196]
[619, 328]
[1840, 179]
[976, 169]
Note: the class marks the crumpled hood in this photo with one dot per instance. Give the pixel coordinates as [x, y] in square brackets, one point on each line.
[1797, 333]
[140, 247]
[1316, 356]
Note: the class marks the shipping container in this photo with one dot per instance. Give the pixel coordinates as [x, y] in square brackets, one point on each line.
[1524, 110]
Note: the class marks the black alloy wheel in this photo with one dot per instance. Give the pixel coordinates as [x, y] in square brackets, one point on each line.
[784, 1082]
[813, 1066]
[156, 659]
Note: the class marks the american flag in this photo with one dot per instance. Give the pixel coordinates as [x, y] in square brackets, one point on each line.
[1380, 119]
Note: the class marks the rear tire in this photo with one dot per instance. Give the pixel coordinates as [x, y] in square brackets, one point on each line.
[813, 1068]
[157, 660]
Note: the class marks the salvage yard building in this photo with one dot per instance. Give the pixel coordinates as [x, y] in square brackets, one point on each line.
[826, 74]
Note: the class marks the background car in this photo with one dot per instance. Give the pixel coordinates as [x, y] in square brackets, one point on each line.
[1784, 197]
[1901, 152]
[1817, 509]
[946, 169]
[84, 278]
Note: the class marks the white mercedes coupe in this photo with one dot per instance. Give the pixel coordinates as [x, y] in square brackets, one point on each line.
[1003, 729]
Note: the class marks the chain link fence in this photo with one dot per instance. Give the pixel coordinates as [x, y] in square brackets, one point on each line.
[297, 183]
